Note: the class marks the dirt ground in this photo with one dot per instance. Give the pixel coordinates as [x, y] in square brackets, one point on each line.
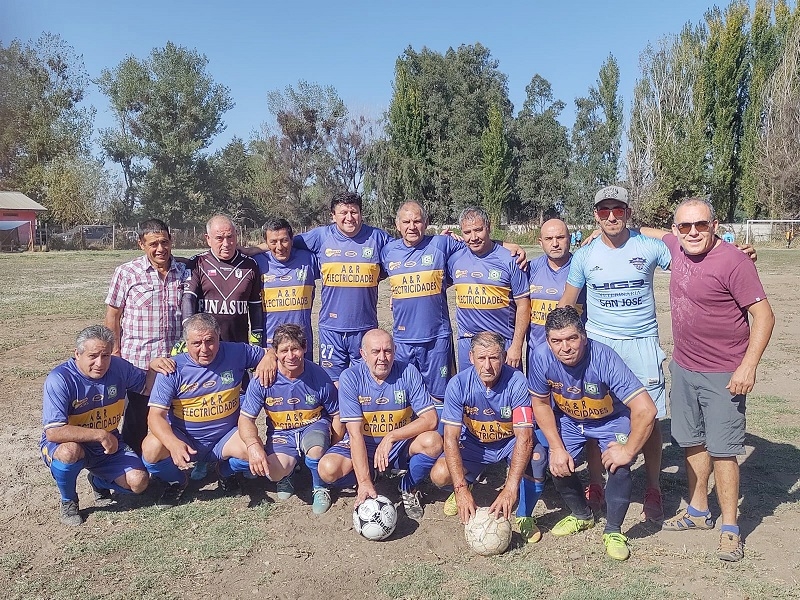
[255, 546]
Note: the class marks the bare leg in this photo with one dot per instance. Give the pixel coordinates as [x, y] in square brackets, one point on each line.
[726, 480]
[698, 470]
[652, 457]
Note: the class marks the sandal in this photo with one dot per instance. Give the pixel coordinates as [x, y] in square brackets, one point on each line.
[683, 521]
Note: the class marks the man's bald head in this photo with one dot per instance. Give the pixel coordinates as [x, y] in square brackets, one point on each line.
[377, 350]
[554, 238]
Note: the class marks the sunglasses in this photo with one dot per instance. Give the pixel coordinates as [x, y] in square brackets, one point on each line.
[700, 226]
[618, 211]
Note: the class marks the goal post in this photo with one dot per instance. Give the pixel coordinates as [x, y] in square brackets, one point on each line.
[772, 231]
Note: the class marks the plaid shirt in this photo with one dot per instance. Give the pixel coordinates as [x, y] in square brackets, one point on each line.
[151, 309]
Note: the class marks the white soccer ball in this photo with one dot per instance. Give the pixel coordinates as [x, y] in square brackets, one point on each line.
[487, 535]
[375, 518]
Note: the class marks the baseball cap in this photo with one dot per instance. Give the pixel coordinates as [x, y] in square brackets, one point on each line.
[611, 192]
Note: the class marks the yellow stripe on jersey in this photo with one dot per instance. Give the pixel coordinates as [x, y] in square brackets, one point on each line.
[337, 274]
[481, 296]
[207, 408]
[379, 423]
[540, 309]
[416, 285]
[291, 419]
[585, 408]
[489, 431]
[290, 297]
[105, 417]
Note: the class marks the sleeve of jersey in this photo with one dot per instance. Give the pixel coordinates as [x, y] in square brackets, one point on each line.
[520, 287]
[521, 411]
[577, 277]
[253, 400]
[254, 355]
[117, 290]
[537, 375]
[349, 406]
[453, 411]
[55, 407]
[134, 376]
[255, 289]
[310, 240]
[163, 392]
[664, 256]
[331, 399]
[621, 380]
[421, 401]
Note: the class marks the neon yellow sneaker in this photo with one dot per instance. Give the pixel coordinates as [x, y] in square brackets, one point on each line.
[450, 507]
[616, 546]
[569, 525]
[528, 529]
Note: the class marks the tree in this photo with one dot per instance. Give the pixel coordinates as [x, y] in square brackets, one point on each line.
[495, 167]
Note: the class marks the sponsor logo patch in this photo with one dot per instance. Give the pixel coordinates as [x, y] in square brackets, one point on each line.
[351, 253]
[332, 252]
[210, 384]
[293, 401]
[410, 263]
[394, 265]
[382, 400]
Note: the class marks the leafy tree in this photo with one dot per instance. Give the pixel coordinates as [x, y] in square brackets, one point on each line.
[495, 167]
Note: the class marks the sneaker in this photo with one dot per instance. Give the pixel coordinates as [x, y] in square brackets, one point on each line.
[569, 525]
[70, 513]
[450, 507]
[200, 471]
[285, 488]
[102, 497]
[528, 529]
[653, 506]
[322, 501]
[683, 521]
[230, 486]
[616, 546]
[412, 503]
[730, 548]
[172, 495]
[595, 497]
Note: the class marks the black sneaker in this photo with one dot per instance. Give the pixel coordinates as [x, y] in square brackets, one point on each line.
[102, 497]
[70, 513]
[172, 495]
[230, 486]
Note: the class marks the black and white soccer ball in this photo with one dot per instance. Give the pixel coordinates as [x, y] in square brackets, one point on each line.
[375, 518]
[487, 535]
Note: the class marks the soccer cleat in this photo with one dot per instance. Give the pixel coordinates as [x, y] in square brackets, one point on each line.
[730, 548]
[528, 529]
[322, 501]
[683, 521]
[450, 507]
[616, 546]
[285, 488]
[70, 513]
[595, 497]
[230, 486]
[200, 471]
[653, 506]
[102, 497]
[412, 503]
[172, 495]
[569, 525]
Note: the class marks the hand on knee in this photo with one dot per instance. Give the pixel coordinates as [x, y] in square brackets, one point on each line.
[69, 453]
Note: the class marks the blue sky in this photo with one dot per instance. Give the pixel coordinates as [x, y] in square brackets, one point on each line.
[254, 47]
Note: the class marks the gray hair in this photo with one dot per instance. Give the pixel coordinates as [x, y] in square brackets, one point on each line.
[200, 322]
[94, 332]
[698, 201]
[473, 213]
[487, 339]
[219, 219]
[413, 204]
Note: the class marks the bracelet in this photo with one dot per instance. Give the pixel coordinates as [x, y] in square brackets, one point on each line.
[253, 443]
[459, 486]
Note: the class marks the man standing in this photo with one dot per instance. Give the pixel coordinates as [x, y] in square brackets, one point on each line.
[617, 270]
[714, 288]
[492, 292]
[391, 424]
[144, 313]
[596, 397]
[488, 419]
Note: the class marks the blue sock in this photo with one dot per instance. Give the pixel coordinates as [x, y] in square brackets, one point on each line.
[529, 492]
[313, 464]
[237, 465]
[419, 467]
[224, 467]
[348, 480]
[66, 476]
[697, 513]
[730, 529]
[165, 470]
[109, 485]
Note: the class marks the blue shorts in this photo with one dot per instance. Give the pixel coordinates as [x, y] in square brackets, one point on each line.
[575, 433]
[475, 456]
[105, 466]
[398, 456]
[464, 344]
[433, 359]
[208, 452]
[339, 350]
[296, 442]
[644, 357]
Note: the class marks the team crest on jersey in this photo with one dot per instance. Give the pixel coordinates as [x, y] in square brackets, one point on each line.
[366, 253]
[364, 399]
[638, 262]
[79, 402]
[535, 289]
[394, 265]
[427, 260]
[227, 377]
[399, 396]
[460, 273]
[111, 392]
[494, 274]
[332, 252]
[591, 388]
[237, 273]
[310, 399]
[621, 438]
[443, 372]
[301, 273]
[505, 412]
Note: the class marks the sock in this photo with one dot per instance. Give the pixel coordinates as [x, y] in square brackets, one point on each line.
[224, 468]
[237, 465]
[618, 498]
[529, 492]
[419, 467]
[165, 470]
[730, 529]
[348, 480]
[313, 464]
[109, 485]
[571, 490]
[66, 476]
[693, 512]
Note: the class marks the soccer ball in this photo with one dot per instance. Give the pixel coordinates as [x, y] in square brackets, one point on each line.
[375, 518]
[486, 534]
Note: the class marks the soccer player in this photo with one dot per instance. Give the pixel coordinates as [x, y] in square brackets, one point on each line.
[716, 297]
[487, 417]
[287, 279]
[301, 407]
[391, 424]
[492, 292]
[144, 313]
[84, 399]
[596, 397]
[195, 408]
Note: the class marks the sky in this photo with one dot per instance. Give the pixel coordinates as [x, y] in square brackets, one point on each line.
[254, 46]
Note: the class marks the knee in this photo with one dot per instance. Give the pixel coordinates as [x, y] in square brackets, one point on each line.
[137, 480]
[315, 452]
[440, 475]
[69, 453]
[152, 449]
[430, 443]
[327, 469]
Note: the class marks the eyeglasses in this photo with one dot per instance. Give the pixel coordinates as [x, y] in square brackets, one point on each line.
[700, 226]
[604, 213]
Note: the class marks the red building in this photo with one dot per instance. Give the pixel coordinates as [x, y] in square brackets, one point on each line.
[18, 220]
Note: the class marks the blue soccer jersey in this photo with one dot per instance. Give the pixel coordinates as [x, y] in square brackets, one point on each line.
[287, 291]
[72, 398]
[488, 415]
[203, 402]
[417, 281]
[546, 288]
[598, 387]
[382, 407]
[351, 269]
[486, 289]
[619, 285]
[293, 404]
